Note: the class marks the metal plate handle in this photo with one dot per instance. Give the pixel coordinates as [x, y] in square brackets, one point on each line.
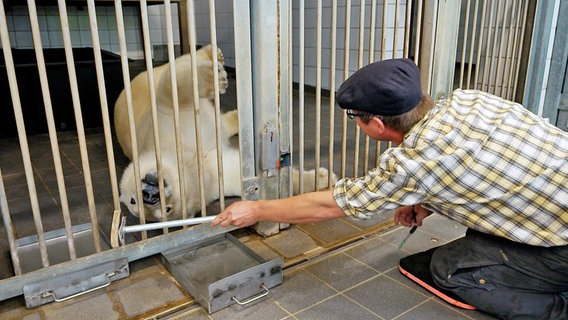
[253, 298]
[56, 299]
[74, 284]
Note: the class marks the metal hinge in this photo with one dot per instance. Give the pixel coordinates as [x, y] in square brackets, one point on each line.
[75, 284]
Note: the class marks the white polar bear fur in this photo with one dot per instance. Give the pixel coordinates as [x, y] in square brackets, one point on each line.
[141, 104]
[147, 158]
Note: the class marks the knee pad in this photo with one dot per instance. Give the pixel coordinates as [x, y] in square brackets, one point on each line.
[441, 267]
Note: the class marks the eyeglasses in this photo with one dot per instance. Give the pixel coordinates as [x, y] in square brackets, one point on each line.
[352, 114]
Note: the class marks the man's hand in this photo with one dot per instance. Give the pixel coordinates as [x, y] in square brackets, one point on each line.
[411, 215]
[239, 214]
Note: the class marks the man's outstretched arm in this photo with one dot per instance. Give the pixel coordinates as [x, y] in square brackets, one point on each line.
[303, 208]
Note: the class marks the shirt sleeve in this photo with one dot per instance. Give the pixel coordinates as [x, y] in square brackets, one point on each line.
[386, 187]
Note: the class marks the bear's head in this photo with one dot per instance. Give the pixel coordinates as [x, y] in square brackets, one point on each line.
[150, 190]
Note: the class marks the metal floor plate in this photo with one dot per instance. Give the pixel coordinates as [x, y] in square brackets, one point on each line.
[222, 271]
[57, 249]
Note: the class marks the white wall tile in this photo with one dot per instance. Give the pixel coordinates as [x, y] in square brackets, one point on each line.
[102, 21]
[157, 36]
[86, 40]
[21, 23]
[55, 39]
[73, 23]
[75, 38]
[104, 37]
[131, 22]
[23, 39]
[53, 23]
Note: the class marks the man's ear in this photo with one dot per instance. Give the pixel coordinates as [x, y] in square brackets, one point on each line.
[377, 125]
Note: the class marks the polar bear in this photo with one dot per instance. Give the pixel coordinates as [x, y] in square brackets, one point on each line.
[141, 103]
[147, 158]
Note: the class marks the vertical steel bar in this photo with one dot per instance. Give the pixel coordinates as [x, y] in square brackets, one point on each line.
[384, 29]
[407, 20]
[175, 108]
[488, 49]
[480, 42]
[79, 122]
[464, 41]
[24, 146]
[431, 37]
[301, 96]
[507, 59]
[290, 96]
[318, 89]
[243, 65]
[51, 127]
[372, 22]
[213, 28]
[104, 104]
[332, 89]
[359, 65]
[523, 29]
[346, 41]
[418, 32]
[512, 69]
[153, 107]
[9, 226]
[177, 126]
[472, 44]
[196, 104]
[499, 55]
[394, 41]
[130, 110]
[395, 29]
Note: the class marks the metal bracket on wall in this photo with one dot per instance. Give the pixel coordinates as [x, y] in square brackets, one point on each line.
[270, 147]
[75, 284]
[251, 189]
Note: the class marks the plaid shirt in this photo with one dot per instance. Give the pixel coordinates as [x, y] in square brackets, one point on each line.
[484, 161]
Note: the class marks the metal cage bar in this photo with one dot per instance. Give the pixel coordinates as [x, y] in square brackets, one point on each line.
[317, 156]
[51, 127]
[24, 146]
[301, 95]
[332, 65]
[153, 104]
[10, 232]
[79, 122]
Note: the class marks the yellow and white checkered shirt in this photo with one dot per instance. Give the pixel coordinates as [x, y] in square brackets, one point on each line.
[484, 161]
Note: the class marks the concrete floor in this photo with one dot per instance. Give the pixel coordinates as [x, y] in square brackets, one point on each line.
[340, 269]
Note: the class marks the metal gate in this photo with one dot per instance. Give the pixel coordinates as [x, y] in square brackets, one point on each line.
[276, 47]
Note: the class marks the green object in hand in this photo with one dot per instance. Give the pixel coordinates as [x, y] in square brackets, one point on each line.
[407, 236]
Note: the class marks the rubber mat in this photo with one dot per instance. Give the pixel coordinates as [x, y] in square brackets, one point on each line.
[417, 268]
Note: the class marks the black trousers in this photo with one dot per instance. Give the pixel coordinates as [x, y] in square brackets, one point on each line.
[505, 278]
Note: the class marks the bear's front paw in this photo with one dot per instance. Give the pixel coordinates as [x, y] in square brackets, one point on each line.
[223, 79]
[206, 79]
[230, 122]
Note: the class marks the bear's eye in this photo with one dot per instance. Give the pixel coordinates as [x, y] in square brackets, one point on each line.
[168, 209]
[132, 201]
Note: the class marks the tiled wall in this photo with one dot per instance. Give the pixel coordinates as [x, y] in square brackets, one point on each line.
[20, 34]
[50, 28]
[310, 37]
[225, 34]
[224, 30]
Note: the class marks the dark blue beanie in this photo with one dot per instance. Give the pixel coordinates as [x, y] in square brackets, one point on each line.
[386, 88]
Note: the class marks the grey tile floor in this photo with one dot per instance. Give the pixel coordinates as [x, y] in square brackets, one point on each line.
[340, 269]
[357, 281]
